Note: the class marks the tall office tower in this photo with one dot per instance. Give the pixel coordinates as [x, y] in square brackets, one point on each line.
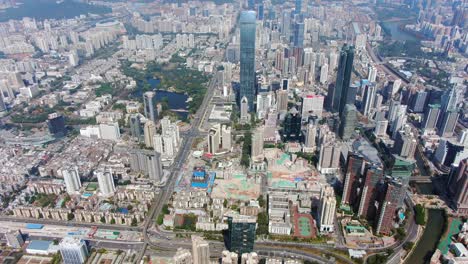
[448, 121]
[219, 138]
[149, 132]
[73, 250]
[105, 181]
[149, 102]
[292, 126]
[257, 142]
[373, 177]
[388, 207]
[183, 256]
[332, 61]
[372, 74]
[14, 238]
[286, 24]
[405, 144]
[324, 74]
[200, 250]
[368, 100]
[329, 157]
[153, 161]
[229, 257]
[310, 137]
[251, 4]
[381, 124]
[110, 131]
[282, 100]
[430, 117]
[135, 127]
[417, 101]
[458, 187]
[312, 105]
[247, 58]
[226, 138]
[402, 169]
[56, 124]
[327, 210]
[250, 258]
[348, 122]
[354, 170]
[298, 39]
[340, 95]
[241, 233]
[298, 7]
[73, 58]
[72, 180]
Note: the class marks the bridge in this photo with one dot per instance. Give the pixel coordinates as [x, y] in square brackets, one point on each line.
[421, 179]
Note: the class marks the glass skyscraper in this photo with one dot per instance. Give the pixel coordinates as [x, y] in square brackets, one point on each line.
[241, 234]
[340, 96]
[247, 56]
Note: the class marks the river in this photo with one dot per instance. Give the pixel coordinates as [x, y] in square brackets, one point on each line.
[395, 31]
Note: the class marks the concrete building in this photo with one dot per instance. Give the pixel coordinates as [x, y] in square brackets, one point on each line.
[72, 180]
[327, 210]
[431, 116]
[370, 92]
[405, 143]
[312, 105]
[282, 100]
[73, 250]
[148, 162]
[348, 122]
[310, 138]
[388, 208]
[381, 125]
[135, 127]
[200, 250]
[250, 258]
[105, 181]
[110, 131]
[229, 257]
[329, 157]
[219, 139]
[458, 187]
[244, 110]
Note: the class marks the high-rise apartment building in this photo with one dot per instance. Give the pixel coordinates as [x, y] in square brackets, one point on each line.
[200, 250]
[373, 178]
[149, 132]
[147, 162]
[183, 256]
[247, 58]
[431, 116]
[327, 210]
[219, 139]
[388, 207]
[354, 170]
[135, 127]
[458, 187]
[405, 144]
[329, 157]
[312, 105]
[72, 180]
[257, 142]
[348, 122]
[105, 181]
[368, 99]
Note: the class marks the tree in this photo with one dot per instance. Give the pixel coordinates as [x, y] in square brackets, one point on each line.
[261, 201]
[165, 209]
[134, 222]
[408, 245]
[103, 219]
[420, 214]
[262, 220]
[112, 221]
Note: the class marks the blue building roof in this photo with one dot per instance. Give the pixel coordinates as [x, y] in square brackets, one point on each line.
[39, 245]
[34, 226]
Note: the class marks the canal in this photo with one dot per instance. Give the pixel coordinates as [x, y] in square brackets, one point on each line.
[430, 238]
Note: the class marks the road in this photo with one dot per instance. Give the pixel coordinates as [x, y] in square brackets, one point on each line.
[385, 67]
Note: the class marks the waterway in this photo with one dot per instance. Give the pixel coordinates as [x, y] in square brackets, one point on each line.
[395, 31]
[430, 238]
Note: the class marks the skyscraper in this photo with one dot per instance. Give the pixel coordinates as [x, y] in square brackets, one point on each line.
[2, 104]
[448, 121]
[354, 169]
[431, 116]
[182, 256]
[298, 7]
[241, 234]
[327, 210]
[402, 169]
[135, 127]
[72, 180]
[147, 162]
[105, 181]
[405, 144]
[73, 250]
[370, 189]
[388, 206]
[149, 102]
[200, 250]
[298, 39]
[348, 122]
[247, 57]
[244, 110]
[149, 132]
[458, 187]
[368, 99]
[340, 95]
